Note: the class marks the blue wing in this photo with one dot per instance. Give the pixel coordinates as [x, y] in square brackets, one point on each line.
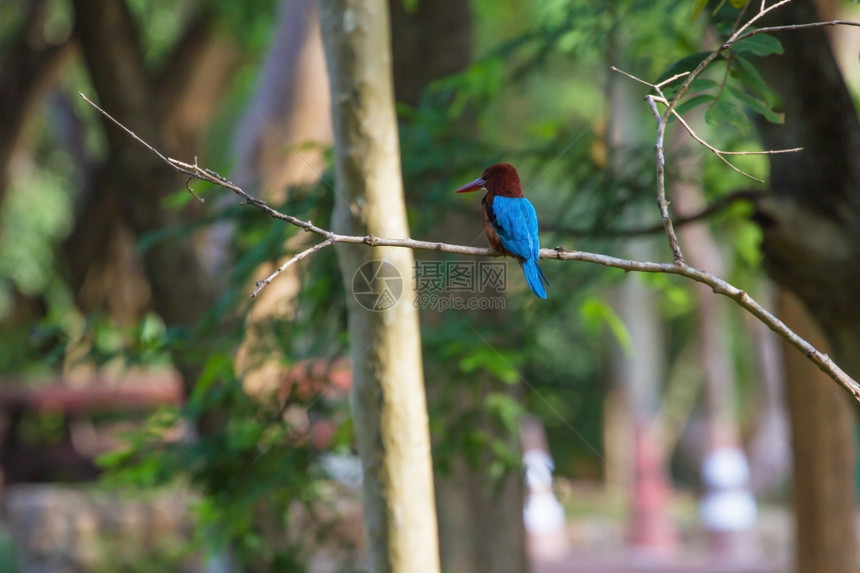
[515, 222]
[517, 226]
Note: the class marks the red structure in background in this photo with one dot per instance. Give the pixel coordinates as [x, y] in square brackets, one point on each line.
[652, 532]
[71, 457]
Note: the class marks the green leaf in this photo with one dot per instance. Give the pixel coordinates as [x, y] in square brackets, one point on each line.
[725, 28]
[218, 367]
[697, 85]
[746, 241]
[726, 112]
[755, 104]
[243, 433]
[694, 102]
[749, 75]
[760, 45]
[697, 9]
[685, 64]
[596, 312]
[676, 296]
[177, 200]
[702, 84]
[487, 359]
[506, 409]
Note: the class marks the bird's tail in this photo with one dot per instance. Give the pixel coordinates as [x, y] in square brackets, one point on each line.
[534, 277]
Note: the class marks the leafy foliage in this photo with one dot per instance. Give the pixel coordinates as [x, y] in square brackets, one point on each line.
[540, 95]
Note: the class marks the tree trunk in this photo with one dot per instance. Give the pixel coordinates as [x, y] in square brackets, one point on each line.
[29, 68]
[131, 186]
[724, 465]
[388, 402]
[822, 435]
[290, 113]
[811, 246]
[640, 375]
[479, 529]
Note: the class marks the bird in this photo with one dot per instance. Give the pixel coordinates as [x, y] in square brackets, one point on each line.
[510, 220]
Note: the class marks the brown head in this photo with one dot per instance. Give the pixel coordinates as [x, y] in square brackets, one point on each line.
[500, 179]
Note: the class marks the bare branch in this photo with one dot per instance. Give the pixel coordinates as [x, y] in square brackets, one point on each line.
[718, 206]
[662, 119]
[720, 286]
[677, 267]
[318, 247]
[127, 130]
[640, 80]
[662, 202]
[719, 152]
[793, 27]
[664, 83]
[739, 35]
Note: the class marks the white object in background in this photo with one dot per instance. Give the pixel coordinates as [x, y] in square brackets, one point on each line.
[542, 512]
[345, 468]
[728, 504]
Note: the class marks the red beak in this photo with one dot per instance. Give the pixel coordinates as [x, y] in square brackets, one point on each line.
[473, 186]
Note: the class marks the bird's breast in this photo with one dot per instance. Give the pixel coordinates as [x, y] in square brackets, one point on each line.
[490, 223]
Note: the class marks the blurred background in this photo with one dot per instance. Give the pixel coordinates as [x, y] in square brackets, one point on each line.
[153, 417]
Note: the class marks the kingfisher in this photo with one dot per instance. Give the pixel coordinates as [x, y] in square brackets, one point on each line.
[510, 220]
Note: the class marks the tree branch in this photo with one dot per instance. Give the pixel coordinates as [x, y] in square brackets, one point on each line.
[736, 37]
[318, 247]
[678, 267]
[662, 119]
[662, 202]
[110, 41]
[26, 71]
[715, 208]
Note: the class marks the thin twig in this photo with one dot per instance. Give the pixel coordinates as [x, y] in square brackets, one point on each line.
[632, 77]
[261, 284]
[739, 35]
[127, 130]
[662, 202]
[663, 118]
[678, 221]
[792, 27]
[719, 152]
[733, 39]
[667, 81]
[720, 286]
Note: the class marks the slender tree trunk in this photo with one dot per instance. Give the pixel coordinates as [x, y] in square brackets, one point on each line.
[135, 184]
[387, 398]
[28, 69]
[726, 481]
[640, 374]
[825, 451]
[290, 112]
[769, 445]
[811, 245]
[479, 529]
